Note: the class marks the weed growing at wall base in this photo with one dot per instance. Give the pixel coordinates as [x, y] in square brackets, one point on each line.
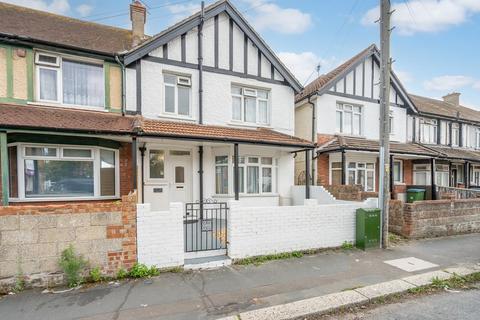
[72, 265]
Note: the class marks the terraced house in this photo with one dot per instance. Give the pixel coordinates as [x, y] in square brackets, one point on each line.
[434, 143]
[91, 114]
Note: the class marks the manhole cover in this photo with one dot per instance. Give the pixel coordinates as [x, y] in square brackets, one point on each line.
[411, 264]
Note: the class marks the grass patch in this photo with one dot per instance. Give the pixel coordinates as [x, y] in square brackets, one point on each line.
[347, 245]
[73, 266]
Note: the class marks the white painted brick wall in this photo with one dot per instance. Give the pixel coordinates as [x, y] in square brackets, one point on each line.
[257, 231]
[160, 236]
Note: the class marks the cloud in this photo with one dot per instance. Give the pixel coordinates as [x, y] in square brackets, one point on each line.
[266, 15]
[54, 6]
[84, 9]
[181, 11]
[426, 15]
[449, 82]
[303, 64]
[405, 77]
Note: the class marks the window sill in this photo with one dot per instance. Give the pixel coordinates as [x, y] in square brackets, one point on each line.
[175, 117]
[66, 106]
[248, 124]
[62, 199]
[350, 135]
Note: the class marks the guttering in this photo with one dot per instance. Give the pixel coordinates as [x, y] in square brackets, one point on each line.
[79, 131]
[226, 140]
[373, 151]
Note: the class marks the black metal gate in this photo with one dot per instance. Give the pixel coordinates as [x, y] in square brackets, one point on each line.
[205, 226]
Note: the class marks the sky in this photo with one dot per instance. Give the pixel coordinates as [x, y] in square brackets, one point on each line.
[435, 43]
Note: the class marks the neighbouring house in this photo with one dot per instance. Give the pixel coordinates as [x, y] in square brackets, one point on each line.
[96, 119]
[433, 143]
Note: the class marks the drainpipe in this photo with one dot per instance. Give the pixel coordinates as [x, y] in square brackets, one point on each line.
[142, 167]
[200, 65]
[314, 135]
[200, 179]
[307, 178]
[124, 79]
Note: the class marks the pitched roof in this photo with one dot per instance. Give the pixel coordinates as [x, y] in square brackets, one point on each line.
[442, 108]
[30, 24]
[456, 153]
[60, 119]
[209, 11]
[354, 143]
[33, 117]
[219, 133]
[329, 78]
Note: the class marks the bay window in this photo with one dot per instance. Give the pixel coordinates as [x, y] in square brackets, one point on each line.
[422, 174]
[64, 80]
[349, 119]
[250, 105]
[177, 94]
[53, 172]
[256, 174]
[336, 173]
[428, 130]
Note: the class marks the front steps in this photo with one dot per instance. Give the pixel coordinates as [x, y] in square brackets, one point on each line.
[207, 262]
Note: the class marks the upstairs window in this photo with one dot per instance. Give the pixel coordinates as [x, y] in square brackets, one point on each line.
[391, 123]
[177, 95]
[455, 134]
[349, 119]
[62, 80]
[477, 138]
[250, 105]
[428, 130]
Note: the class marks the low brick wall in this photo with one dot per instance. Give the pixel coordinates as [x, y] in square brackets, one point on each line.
[34, 236]
[345, 192]
[423, 219]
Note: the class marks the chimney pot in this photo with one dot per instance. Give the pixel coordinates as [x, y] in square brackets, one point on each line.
[452, 98]
[138, 16]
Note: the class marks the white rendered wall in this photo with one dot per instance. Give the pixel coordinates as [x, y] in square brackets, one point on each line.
[254, 231]
[160, 236]
[326, 105]
[217, 105]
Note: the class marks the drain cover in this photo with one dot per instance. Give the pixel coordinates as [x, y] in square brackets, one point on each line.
[411, 264]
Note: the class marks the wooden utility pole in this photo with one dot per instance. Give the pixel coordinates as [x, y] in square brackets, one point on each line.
[384, 170]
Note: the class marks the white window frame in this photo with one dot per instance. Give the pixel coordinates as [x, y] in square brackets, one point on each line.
[254, 94]
[477, 138]
[95, 158]
[421, 168]
[432, 126]
[332, 169]
[475, 176]
[455, 134]
[58, 67]
[340, 108]
[401, 171]
[175, 113]
[391, 123]
[358, 168]
[247, 163]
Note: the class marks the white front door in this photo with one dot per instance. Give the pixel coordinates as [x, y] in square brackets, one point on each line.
[168, 177]
[180, 178]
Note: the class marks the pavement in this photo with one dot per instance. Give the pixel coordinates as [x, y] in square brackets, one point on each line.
[214, 294]
[447, 305]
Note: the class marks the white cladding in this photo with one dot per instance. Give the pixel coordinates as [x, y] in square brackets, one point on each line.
[363, 81]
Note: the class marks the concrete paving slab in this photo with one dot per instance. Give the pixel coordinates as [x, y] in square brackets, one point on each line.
[411, 264]
[426, 278]
[306, 307]
[461, 271]
[385, 288]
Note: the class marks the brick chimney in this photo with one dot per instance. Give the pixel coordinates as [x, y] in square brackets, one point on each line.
[138, 16]
[452, 98]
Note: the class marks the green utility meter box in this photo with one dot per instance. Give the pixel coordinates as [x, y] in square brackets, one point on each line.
[368, 228]
[415, 195]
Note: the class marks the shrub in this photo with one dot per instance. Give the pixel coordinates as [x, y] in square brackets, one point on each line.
[96, 274]
[72, 265]
[122, 274]
[140, 270]
[346, 245]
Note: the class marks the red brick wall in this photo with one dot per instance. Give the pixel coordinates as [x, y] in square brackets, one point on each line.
[322, 170]
[408, 172]
[126, 230]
